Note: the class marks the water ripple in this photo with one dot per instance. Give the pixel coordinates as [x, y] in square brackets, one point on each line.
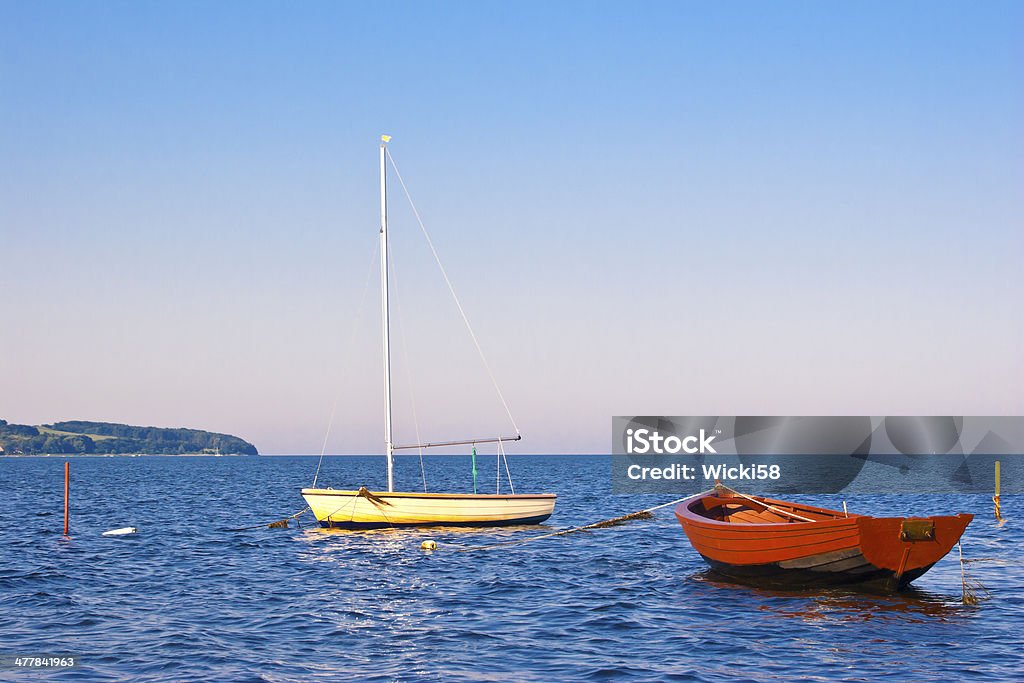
[186, 600]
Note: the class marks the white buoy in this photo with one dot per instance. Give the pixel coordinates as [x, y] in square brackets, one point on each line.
[123, 531]
[428, 545]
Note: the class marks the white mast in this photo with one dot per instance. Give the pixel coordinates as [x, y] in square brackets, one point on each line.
[385, 321]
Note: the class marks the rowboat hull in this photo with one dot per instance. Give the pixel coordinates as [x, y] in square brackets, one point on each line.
[788, 545]
[363, 509]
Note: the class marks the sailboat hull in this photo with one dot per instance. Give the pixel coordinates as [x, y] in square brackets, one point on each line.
[363, 509]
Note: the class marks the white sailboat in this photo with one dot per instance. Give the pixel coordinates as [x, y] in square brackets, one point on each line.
[364, 509]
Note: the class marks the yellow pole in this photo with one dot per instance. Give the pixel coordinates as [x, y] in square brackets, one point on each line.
[995, 498]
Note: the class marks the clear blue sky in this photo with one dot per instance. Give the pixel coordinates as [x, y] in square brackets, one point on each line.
[680, 208]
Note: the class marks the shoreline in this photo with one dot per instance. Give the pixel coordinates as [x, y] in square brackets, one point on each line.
[125, 455]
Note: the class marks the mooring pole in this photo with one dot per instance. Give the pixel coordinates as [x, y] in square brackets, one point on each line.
[67, 491]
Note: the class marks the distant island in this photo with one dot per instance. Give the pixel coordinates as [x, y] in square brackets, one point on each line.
[108, 438]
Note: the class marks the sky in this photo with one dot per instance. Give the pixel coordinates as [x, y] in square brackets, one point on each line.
[680, 208]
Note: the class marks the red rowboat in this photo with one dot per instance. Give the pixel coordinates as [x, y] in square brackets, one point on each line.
[775, 543]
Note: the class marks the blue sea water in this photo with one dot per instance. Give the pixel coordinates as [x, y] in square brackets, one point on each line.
[186, 599]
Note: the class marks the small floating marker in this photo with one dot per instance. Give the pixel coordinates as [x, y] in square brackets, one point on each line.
[428, 545]
[123, 531]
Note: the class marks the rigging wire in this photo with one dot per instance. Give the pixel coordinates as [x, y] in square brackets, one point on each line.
[351, 341]
[501, 451]
[408, 370]
[451, 289]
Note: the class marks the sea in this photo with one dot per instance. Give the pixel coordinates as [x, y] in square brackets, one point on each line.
[190, 598]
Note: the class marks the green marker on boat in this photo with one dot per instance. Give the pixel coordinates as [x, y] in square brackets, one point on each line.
[474, 469]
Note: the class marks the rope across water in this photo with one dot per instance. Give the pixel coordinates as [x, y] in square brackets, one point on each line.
[614, 521]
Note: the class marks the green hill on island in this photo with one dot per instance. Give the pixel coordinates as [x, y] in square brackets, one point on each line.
[109, 438]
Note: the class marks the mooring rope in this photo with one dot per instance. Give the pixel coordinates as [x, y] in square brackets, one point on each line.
[614, 521]
[363, 492]
[278, 524]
